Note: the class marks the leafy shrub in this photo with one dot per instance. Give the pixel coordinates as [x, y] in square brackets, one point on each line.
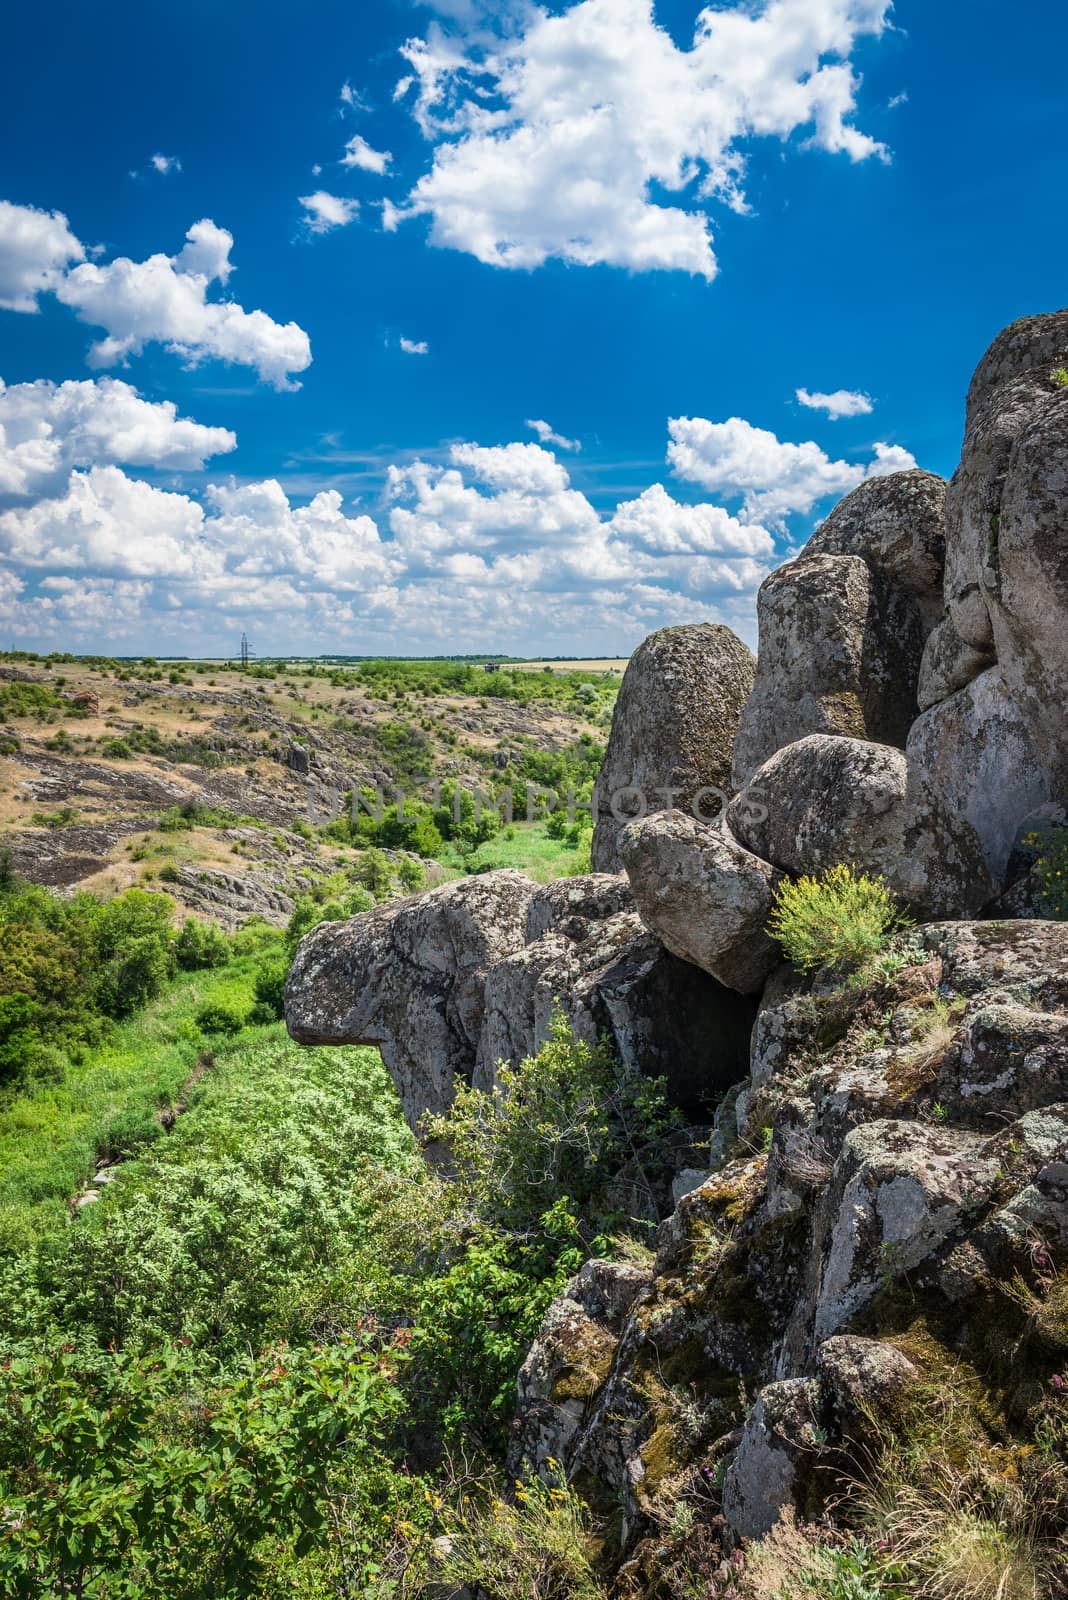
[219, 1019]
[260, 1015]
[116, 750]
[143, 1477]
[169, 874]
[270, 986]
[842, 919]
[200, 945]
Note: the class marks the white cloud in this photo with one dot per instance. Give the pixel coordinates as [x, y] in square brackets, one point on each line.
[35, 248]
[165, 299]
[896, 100]
[547, 435]
[840, 403]
[774, 479]
[111, 524]
[46, 429]
[166, 164]
[324, 211]
[550, 137]
[414, 347]
[358, 153]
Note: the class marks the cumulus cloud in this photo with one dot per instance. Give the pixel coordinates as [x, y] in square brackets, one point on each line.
[165, 164]
[165, 299]
[841, 403]
[358, 153]
[547, 435]
[774, 479]
[323, 211]
[46, 429]
[35, 248]
[558, 137]
[414, 347]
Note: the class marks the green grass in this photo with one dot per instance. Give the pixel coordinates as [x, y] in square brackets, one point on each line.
[51, 1134]
[530, 850]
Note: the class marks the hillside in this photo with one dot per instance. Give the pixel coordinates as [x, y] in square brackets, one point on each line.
[248, 771]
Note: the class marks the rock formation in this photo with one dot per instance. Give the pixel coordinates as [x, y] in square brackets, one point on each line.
[892, 1153]
[673, 731]
[450, 983]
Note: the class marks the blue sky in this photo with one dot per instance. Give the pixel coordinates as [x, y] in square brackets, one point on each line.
[645, 230]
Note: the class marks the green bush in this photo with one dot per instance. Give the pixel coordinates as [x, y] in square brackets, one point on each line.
[200, 945]
[842, 919]
[219, 1019]
[270, 985]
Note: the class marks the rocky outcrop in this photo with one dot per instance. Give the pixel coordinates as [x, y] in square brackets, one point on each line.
[673, 731]
[843, 628]
[409, 978]
[857, 1261]
[823, 801]
[704, 896]
[451, 983]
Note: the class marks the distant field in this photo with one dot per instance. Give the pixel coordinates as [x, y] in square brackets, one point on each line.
[616, 664]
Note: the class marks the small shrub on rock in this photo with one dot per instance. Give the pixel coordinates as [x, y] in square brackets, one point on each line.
[843, 919]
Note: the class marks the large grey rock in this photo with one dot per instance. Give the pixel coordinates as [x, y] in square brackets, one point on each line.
[948, 664]
[812, 616]
[897, 524]
[863, 1380]
[1011, 385]
[569, 1361]
[673, 730]
[842, 628]
[1030, 610]
[704, 896]
[973, 775]
[409, 977]
[824, 801]
[900, 1190]
[776, 1454]
[614, 980]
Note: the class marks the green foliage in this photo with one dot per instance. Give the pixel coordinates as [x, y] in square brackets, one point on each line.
[200, 945]
[1051, 870]
[1059, 376]
[843, 919]
[555, 1130]
[137, 1477]
[270, 985]
[854, 1571]
[219, 1019]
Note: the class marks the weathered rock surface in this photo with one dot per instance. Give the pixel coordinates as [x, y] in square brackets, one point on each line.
[948, 664]
[823, 801]
[409, 977]
[573, 904]
[614, 980]
[812, 616]
[704, 896]
[879, 1208]
[1011, 386]
[776, 1454]
[450, 983]
[842, 628]
[673, 730]
[973, 774]
[1031, 606]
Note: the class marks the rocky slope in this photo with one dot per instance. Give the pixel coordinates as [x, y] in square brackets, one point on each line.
[884, 1213]
[92, 755]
